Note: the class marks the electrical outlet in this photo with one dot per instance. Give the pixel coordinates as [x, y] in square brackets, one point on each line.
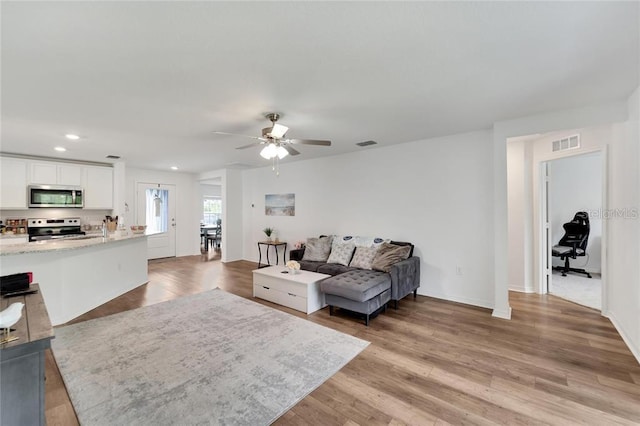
[458, 270]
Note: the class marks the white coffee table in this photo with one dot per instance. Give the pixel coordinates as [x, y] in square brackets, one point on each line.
[299, 291]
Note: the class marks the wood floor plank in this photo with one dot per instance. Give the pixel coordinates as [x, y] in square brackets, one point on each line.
[430, 361]
[350, 407]
[566, 411]
[397, 408]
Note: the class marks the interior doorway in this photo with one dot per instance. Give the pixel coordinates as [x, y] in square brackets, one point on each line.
[155, 208]
[572, 226]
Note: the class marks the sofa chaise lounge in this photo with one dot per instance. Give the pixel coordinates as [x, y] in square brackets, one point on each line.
[366, 273]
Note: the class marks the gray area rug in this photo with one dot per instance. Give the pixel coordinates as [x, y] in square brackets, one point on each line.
[209, 358]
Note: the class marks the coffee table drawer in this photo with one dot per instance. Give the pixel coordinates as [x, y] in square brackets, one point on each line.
[281, 284]
[298, 291]
[274, 295]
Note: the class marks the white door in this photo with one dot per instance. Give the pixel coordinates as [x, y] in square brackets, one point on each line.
[156, 208]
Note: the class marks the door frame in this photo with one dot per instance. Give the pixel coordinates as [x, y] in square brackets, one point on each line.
[172, 225]
[545, 251]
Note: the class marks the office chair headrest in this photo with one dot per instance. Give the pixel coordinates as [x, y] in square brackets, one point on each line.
[577, 229]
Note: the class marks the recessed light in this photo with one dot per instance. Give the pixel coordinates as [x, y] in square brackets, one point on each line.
[72, 136]
[174, 167]
[60, 148]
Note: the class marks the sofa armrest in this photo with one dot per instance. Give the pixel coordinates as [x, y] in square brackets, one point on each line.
[405, 277]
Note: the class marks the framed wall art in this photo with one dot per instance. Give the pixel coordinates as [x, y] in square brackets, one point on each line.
[280, 204]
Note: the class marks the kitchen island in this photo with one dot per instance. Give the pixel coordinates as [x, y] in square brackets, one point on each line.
[77, 275]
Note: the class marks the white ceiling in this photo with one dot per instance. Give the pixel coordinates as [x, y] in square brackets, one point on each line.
[150, 81]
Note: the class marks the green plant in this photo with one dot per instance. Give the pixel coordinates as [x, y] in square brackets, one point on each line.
[268, 231]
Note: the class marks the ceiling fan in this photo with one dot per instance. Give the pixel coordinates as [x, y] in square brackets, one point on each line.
[277, 146]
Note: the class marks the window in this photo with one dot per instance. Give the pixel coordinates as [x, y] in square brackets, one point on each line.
[157, 213]
[211, 210]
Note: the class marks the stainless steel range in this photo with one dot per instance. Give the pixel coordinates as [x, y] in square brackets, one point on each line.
[53, 229]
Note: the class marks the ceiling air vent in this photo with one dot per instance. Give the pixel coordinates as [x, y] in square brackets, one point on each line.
[571, 142]
[113, 157]
[366, 143]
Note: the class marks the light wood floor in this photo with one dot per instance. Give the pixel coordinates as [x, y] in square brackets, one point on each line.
[431, 361]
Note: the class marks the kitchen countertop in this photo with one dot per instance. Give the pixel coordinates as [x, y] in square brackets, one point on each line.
[67, 244]
[14, 235]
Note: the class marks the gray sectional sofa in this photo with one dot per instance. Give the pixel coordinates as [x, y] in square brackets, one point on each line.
[355, 285]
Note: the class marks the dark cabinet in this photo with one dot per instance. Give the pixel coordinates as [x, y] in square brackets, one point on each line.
[22, 363]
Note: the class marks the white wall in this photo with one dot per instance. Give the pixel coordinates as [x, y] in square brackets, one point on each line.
[434, 193]
[576, 185]
[519, 214]
[233, 218]
[592, 139]
[210, 190]
[537, 124]
[188, 204]
[620, 140]
[524, 158]
[623, 291]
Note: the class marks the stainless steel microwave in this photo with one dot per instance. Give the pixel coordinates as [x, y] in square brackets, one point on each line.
[55, 196]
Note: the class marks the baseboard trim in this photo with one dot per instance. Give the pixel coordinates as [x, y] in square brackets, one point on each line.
[503, 314]
[634, 350]
[522, 290]
[465, 300]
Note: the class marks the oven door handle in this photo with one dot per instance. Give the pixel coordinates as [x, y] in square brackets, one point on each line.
[46, 237]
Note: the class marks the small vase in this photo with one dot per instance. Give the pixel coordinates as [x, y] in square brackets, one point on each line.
[293, 271]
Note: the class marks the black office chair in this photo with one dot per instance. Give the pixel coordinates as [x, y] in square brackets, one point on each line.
[573, 244]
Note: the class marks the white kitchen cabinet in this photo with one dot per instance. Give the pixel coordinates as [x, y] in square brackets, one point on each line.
[43, 173]
[51, 173]
[18, 173]
[98, 187]
[13, 183]
[69, 174]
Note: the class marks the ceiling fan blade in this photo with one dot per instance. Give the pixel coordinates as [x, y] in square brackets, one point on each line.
[278, 131]
[249, 146]
[291, 150]
[310, 142]
[244, 136]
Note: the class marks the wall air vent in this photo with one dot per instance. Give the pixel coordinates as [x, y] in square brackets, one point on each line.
[570, 142]
[366, 143]
[113, 157]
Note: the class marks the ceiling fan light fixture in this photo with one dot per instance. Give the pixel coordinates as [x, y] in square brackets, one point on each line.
[281, 152]
[269, 151]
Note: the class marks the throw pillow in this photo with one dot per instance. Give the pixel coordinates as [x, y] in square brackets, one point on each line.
[342, 239]
[363, 257]
[370, 241]
[341, 253]
[317, 249]
[388, 254]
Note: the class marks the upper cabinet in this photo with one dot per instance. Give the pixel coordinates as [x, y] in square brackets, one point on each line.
[48, 173]
[98, 188]
[18, 173]
[13, 183]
